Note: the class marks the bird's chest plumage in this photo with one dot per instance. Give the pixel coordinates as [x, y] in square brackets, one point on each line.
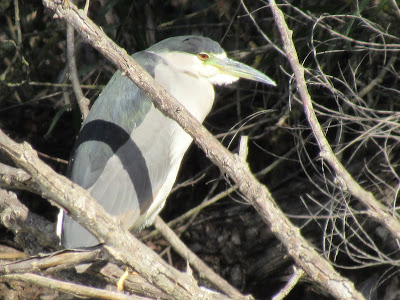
[128, 153]
[196, 94]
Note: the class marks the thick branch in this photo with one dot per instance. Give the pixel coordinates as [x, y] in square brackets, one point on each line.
[304, 254]
[25, 225]
[14, 178]
[51, 263]
[119, 242]
[113, 273]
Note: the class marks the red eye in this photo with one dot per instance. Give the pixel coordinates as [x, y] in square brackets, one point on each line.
[203, 56]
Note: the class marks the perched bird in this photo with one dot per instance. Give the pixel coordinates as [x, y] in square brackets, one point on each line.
[128, 153]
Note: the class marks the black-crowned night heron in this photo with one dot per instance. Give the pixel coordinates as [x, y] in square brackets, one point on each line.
[128, 153]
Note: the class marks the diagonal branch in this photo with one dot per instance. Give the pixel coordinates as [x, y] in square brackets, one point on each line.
[204, 270]
[374, 208]
[258, 195]
[119, 242]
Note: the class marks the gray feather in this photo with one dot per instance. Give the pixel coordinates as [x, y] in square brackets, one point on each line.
[128, 153]
[120, 109]
[188, 44]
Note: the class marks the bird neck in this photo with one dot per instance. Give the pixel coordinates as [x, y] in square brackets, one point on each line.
[194, 93]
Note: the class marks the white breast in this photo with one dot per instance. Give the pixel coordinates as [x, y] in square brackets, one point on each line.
[197, 95]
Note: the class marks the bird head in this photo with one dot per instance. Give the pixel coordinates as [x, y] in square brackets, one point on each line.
[204, 58]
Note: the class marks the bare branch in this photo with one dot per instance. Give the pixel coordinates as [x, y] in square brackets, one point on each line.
[70, 288]
[204, 270]
[304, 254]
[375, 209]
[135, 283]
[298, 273]
[50, 263]
[83, 102]
[14, 178]
[26, 225]
[119, 242]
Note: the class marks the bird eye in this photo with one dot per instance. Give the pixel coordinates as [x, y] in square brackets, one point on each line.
[203, 56]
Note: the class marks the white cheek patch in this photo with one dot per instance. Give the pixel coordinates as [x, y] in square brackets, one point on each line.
[215, 77]
[222, 79]
[207, 71]
[221, 55]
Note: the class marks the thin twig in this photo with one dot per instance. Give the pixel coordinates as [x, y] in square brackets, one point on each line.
[83, 102]
[378, 78]
[51, 84]
[70, 288]
[298, 273]
[396, 10]
[119, 242]
[374, 208]
[218, 197]
[243, 148]
[49, 262]
[204, 270]
[279, 50]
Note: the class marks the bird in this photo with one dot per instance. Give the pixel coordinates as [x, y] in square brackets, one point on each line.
[127, 154]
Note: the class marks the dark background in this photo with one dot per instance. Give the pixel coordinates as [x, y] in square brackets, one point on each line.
[344, 46]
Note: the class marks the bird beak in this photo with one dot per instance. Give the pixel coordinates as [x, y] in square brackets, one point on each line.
[236, 69]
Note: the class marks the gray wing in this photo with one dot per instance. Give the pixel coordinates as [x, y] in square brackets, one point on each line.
[121, 153]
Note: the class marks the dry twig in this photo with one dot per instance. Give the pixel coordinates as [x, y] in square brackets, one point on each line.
[204, 270]
[258, 195]
[374, 208]
[118, 242]
[70, 288]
